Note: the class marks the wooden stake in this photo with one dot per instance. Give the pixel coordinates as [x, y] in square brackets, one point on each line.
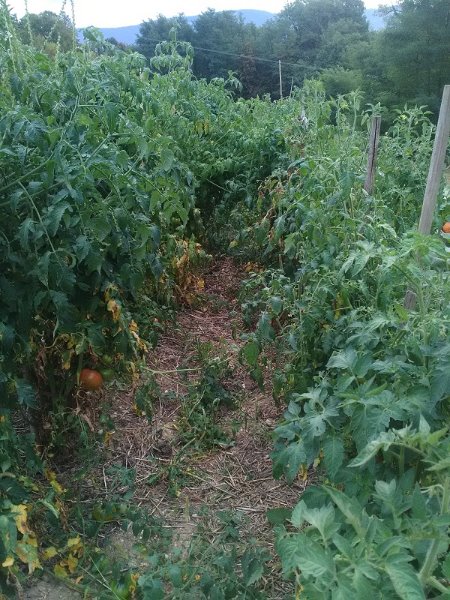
[434, 176]
[372, 160]
[436, 164]
[281, 81]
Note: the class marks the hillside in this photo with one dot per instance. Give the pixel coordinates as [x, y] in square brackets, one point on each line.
[128, 34]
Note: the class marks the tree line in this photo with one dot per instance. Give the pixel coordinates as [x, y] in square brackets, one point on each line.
[406, 62]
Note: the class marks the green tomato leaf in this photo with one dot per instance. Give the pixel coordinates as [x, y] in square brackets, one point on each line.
[25, 393]
[405, 581]
[250, 352]
[252, 563]
[277, 516]
[276, 304]
[289, 460]
[167, 158]
[333, 455]
[298, 551]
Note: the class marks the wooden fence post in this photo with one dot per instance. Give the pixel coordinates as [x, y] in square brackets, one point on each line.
[436, 164]
[372, 160]
[434, 176]
[281, 80]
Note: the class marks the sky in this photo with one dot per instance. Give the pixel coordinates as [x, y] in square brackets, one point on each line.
[119, 13]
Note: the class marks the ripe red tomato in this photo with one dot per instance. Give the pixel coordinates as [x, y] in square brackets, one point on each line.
[91, 380]
[446, 227]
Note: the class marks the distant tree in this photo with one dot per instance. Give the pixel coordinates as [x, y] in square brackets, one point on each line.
[219, 38]
[270, 42]
[314, 23]
[337, 38]
[415, 50]
[114, 42]
[366, 58]
[154, 31]
[47, 29]
[338, 80]
[307, 36]
[248, 69]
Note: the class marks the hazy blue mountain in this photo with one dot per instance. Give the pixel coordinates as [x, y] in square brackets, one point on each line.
[125, 35]
[128, 35]
[257, 17]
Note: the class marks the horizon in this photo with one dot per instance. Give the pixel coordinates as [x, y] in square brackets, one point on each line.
[100, 13]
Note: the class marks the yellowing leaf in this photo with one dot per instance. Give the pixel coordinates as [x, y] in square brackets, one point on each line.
[110, 289]
[8, 562]
[20, 511]
[73, 541]
[316, 462]
[114, 308]
[27, 552]
[133, 326]
[133, 583]
[51, 476]
[181, 262]
[107, 437]
[72, 563]
[60, 571]
[142, 345]
[57, 487]
[303, 473]
[49, 552]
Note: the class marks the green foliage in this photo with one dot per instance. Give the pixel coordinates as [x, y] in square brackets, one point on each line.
[47, 31]
[420, 30]
[100, 165]
[386, 545]
[197, 423]
[197, 428]
[366, 381]
[155, 31]
[406, 62]
[222, 567]
[111, 172]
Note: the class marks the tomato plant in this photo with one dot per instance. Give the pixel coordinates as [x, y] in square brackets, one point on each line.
[365, 380]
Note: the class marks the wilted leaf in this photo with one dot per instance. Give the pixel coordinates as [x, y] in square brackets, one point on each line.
[8, 562]
[49, 553]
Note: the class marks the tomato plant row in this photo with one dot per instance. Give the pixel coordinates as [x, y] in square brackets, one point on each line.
[108, 171]
[367, 382]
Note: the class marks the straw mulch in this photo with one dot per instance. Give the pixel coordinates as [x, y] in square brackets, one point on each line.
[234, 478]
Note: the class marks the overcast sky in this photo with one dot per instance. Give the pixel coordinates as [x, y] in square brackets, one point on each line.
[118, 13]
